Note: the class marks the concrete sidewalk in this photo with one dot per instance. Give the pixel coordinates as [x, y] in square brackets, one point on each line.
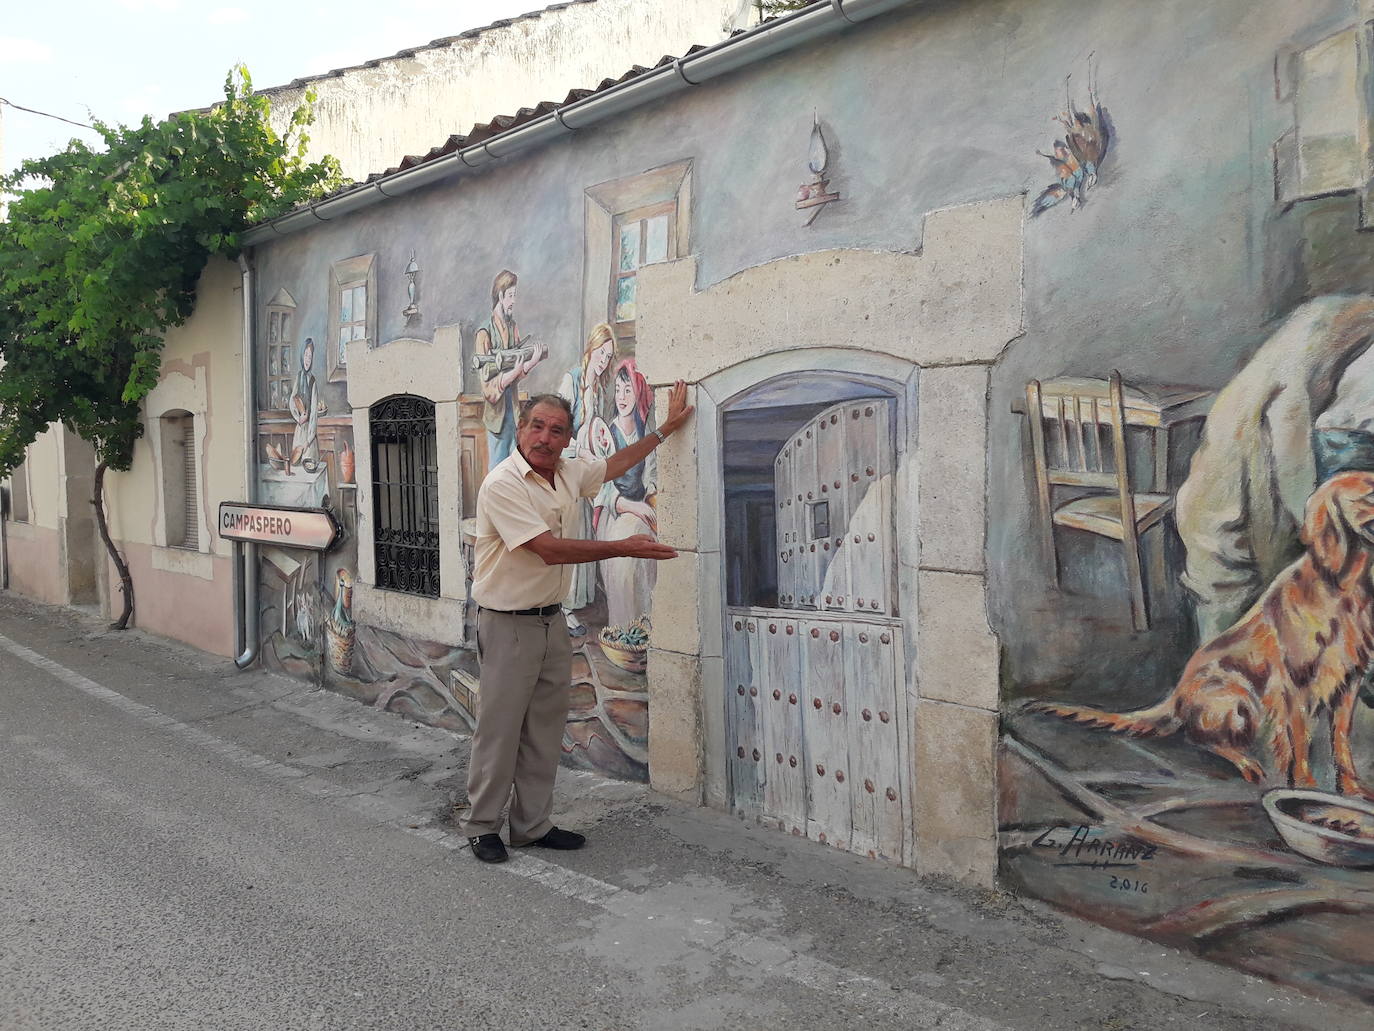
[698, 917]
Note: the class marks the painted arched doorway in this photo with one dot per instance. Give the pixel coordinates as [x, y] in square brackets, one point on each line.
[814, 636]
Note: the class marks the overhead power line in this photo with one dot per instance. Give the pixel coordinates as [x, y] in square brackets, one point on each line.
[45, 114]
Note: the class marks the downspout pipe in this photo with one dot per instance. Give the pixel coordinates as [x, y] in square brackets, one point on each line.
[245, 565]
[4, 539]
[816, 22]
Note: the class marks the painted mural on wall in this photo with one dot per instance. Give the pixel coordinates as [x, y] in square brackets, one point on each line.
[1177, 542]
[1203, 776]
[307, 457]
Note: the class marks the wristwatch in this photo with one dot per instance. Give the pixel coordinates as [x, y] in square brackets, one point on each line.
[662, 438]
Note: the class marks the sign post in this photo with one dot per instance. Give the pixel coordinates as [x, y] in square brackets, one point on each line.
[313, 529]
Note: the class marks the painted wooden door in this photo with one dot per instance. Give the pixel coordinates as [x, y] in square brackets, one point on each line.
[786, 543]
[816, 705]
[868, 525]
[780, 712]
[816, 691]
[828, 816]
[833, 487]
[743, 726]
[876, 701]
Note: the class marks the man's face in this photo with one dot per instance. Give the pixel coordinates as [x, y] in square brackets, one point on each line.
[543, 436]
[506, 302]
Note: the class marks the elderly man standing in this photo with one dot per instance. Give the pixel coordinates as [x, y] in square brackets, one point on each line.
[523, 571]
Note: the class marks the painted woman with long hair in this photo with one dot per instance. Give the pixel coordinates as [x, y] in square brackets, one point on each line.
[587, 388]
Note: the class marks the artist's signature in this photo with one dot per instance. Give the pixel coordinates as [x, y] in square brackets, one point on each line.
[1088, 846]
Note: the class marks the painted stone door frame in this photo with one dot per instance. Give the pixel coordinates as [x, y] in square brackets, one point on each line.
[944, 314]
[895, 379]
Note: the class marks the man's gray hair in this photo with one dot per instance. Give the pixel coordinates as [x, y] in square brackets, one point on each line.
[557, 400]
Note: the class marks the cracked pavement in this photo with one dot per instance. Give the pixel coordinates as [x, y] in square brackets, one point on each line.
[188, 846]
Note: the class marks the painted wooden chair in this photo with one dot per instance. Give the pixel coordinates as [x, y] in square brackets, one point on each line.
[1068, 431]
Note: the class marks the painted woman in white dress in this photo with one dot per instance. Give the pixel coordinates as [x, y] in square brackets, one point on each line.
[586, 386]
[626, 505]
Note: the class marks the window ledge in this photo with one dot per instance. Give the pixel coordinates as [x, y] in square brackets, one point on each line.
[183, 561]
[414, 615]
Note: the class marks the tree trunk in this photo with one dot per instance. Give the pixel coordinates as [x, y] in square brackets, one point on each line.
[126, 581]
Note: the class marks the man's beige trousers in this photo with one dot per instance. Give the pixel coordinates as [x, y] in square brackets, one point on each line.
[526, 670]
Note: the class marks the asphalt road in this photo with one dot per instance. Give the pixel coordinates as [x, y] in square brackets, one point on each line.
[186, 846]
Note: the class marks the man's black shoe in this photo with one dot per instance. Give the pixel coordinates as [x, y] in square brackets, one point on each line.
[564, 841]
[489, 848]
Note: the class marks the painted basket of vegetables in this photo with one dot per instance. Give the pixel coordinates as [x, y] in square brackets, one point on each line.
[627, 646]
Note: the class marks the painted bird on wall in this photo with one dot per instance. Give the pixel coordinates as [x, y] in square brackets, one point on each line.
[1077, 157]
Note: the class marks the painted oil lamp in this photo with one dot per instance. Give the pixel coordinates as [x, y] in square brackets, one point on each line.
[816, 194]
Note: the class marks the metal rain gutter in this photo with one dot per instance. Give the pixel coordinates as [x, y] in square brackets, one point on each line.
[762, 41]
[245, 564]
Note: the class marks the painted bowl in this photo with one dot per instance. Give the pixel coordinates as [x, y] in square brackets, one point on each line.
[1332, 829]
[631, 660]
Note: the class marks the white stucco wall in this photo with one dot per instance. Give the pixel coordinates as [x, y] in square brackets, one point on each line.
[370, 117]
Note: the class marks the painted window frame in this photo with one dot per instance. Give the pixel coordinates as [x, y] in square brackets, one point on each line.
[281, 353]
[181, 480]
[1298, 80]
[405, 510]
[347, 275]
[19, 490]
[667, 189]
[625, 328]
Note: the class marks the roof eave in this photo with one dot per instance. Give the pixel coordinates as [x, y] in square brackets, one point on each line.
[668, 78]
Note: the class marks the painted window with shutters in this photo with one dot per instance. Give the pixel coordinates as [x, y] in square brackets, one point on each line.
[645, 236]
[282, 353]
[353, 312]
[630, 224]
[1325, 152]
[180, 481]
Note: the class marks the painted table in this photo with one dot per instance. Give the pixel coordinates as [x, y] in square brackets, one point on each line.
[299, 490]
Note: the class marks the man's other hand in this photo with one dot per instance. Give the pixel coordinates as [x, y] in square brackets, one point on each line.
[678, 408]
[641, 545]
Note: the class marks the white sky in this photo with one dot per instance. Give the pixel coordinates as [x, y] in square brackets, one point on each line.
[120, 59]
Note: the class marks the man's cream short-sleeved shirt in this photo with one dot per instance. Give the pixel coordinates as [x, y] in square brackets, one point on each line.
[515, 505]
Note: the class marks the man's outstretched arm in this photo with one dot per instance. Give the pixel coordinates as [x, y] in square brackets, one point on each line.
[557, 551]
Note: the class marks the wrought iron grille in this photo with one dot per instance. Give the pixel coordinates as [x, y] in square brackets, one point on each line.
[405, 494]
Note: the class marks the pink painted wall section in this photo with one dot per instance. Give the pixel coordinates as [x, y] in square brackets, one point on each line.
[34, 565]
[186, 608]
